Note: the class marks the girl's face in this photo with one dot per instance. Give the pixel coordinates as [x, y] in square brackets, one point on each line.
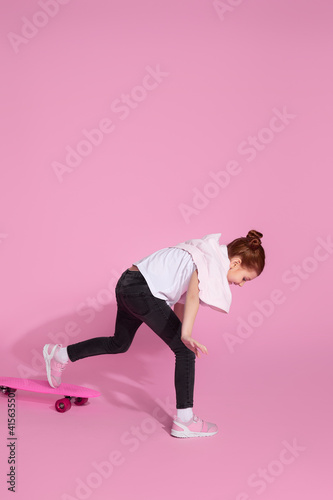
[237, 274]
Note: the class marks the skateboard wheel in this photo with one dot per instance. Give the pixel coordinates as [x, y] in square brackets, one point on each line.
[63, 405]
[9, 390]
[80, 401]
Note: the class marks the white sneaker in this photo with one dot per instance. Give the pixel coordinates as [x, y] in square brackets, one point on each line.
[196, 427]
[54, 369]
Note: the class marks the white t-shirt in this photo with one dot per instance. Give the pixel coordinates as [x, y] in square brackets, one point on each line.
[168, 273]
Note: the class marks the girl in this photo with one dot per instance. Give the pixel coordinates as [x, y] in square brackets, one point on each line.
[197, 271]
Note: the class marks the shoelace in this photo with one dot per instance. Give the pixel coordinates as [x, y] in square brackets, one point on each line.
[59, 365]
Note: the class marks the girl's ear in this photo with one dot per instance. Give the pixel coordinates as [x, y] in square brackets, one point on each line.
[235, 261]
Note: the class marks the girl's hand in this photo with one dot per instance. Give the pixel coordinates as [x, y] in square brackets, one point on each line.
[194, 345]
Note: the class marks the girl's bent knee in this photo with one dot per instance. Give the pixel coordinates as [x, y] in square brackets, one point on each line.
[118, 349]
[185, 354]
[180, 349]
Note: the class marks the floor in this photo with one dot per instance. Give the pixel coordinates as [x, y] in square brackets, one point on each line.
[273, 412]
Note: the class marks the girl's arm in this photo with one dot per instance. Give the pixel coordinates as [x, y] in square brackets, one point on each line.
[190, 312]
[192, 290]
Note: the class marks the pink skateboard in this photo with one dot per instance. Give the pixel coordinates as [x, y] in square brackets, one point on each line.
[79, 394]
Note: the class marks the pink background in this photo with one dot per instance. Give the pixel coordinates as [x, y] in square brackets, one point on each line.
[66, 239]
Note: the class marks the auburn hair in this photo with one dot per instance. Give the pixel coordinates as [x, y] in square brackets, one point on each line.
[250, 251]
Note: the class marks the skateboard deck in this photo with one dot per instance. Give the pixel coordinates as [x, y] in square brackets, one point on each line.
[69, 391]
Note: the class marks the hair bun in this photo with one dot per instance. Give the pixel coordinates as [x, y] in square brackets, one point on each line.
[253, 238]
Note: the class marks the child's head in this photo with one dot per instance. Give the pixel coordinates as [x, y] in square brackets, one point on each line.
[247, 258]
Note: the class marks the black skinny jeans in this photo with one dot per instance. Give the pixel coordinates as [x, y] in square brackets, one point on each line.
[136, 305]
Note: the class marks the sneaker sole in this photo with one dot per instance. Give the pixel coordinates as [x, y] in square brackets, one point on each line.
[48, 366]
[181, 434]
